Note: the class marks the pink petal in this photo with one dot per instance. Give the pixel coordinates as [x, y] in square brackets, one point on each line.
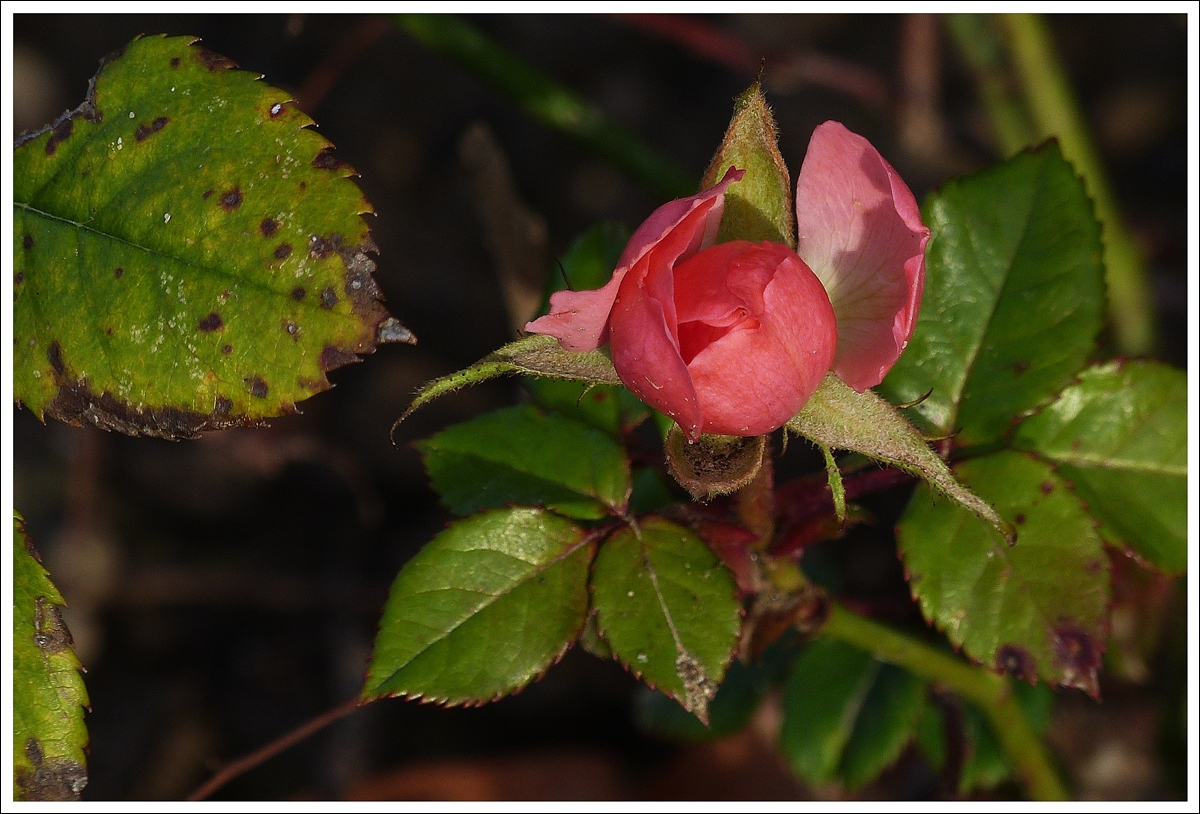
[645, 347]
[859, 229]
[680, 228]
[762, 372]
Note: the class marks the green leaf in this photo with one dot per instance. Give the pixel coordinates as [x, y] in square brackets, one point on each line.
[535, 355]
[669, 610]
[1038, 608]
[824, 694]
[1120, 436]
[886, 724]
[520, 455]
[487, 606]
[758, 207]
[838, 417]
[1014, 297]
[49, 736]
[846, 714]
[612, 409]
[189, 253]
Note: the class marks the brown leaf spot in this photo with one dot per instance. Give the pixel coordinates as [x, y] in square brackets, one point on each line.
[108, 331]
[1047, 487]
[78, 405]
[298, 293]
[227, 349]
[329, 298]
[321, 247]
[33, 751]
[1019, 519]
[56, 779]
[61, 132]
[27, 242]
[174, 62]
[268, 227]
[145, 131]
[326, 160]
[282, 251]
[207, 194]
[332, 357]
[18, 278]
[1020, 367]
[50, 633]
[54, 356]
[303, 185]
[1016, 661]
[292, 329]
[223, 406]
[276, 110]
[211, 322]
[257, 387]
[214, 62]
[231, 200]
[119, 273]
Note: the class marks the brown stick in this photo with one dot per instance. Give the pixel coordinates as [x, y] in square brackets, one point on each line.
[250, 761]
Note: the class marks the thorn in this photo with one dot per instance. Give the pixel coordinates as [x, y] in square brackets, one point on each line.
[567, 279]
[905, 405]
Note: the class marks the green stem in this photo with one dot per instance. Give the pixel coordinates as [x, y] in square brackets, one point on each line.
[983, 51]
[1056, 112]
[547, 101]
[991, 692]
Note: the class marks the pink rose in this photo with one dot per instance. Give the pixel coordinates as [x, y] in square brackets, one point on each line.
[734, 338]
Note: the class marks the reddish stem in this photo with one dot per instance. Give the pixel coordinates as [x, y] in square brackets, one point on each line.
[250, 761]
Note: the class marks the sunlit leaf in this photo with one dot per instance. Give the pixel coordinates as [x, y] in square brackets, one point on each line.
[1119, 435]
[520, 455]
[189, 254]
[1014, 297]
[49, 736]
[1036, 609]
[483, 609]
[669, 610]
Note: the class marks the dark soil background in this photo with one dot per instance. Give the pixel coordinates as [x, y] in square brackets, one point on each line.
[226, 590]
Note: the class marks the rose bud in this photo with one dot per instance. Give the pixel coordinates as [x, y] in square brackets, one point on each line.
[734, 339]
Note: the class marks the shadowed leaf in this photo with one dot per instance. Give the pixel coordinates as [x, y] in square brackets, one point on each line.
[521, 456]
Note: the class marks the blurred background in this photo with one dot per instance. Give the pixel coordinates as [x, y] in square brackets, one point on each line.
[226, 590]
